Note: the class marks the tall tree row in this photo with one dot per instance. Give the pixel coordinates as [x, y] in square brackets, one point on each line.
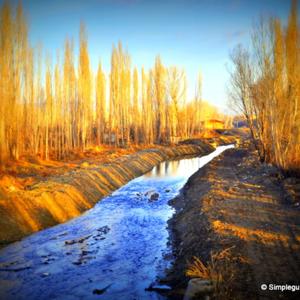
[266, 88]
[51, 106]
[14, 53]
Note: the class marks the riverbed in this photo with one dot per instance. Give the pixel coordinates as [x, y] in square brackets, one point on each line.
[116, 250]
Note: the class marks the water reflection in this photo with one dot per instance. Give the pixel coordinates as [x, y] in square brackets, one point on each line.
[184, 167]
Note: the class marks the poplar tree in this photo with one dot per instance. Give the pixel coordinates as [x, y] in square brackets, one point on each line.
[100, 104]
[84, 90]
[135, 109]
[159, 94]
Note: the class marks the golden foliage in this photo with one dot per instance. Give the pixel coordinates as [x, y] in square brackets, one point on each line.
[266, 88]
[52, 110]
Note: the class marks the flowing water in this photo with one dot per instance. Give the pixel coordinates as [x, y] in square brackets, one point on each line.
[113, 251]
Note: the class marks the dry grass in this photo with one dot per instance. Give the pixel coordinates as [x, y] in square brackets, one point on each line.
[23, 173]
[248, 234]
[218, 270]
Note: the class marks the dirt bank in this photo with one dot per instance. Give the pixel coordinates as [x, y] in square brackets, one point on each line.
[24, 210]
[237, 204]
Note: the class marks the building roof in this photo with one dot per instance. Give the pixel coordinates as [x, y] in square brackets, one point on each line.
[215, 121]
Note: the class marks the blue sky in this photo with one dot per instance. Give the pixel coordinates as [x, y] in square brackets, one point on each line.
[194, 34]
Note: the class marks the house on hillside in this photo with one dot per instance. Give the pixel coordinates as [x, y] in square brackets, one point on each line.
[213, 124]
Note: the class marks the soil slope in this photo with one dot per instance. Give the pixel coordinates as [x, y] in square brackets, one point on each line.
[58, 198]
[238, 204]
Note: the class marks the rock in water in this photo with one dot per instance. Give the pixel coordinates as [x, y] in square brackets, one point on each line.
[154, 197]
[149, 192]
[101, 291]
[197, 286]
[158, 288]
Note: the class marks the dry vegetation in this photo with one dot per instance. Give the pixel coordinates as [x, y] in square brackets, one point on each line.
[266, 88]
[219, 270]
[49, 110]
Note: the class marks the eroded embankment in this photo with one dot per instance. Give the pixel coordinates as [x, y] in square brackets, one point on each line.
[61, 198]
[238, 204]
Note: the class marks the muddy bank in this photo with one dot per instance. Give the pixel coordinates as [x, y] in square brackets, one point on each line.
[60, 198]
[235, 203]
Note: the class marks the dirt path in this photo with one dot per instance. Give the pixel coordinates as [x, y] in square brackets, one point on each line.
[236, 202]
